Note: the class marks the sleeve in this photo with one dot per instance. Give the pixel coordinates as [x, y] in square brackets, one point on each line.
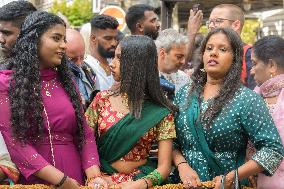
[24, 156]
[261, 130]
[92, 113]
[166, 128]
[90, 154]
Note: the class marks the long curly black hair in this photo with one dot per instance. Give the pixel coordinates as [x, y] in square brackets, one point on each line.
[232, 80]
[25, 86]
[139, 74]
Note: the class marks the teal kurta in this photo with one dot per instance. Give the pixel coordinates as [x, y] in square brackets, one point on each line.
[244, 117]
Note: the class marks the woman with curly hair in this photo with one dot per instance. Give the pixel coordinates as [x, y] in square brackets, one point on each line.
[131, 115]
[217, 117]
[41, 117]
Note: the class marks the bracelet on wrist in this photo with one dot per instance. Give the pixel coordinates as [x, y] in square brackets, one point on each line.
[61, 181]
[155, 177]
[146, 182]
[181, 163]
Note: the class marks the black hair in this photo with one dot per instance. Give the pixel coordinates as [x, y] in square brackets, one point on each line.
[16, 12]
[270, 47]
[232, 80]
[136, 13]
[104, 22]
[25, 87]
[139, 73]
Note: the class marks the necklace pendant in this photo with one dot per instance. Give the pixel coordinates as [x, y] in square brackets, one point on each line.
[47, 93]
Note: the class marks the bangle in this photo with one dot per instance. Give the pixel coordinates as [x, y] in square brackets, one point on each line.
[147, 186]
[181, 163]
[155, 177]
[61, 181]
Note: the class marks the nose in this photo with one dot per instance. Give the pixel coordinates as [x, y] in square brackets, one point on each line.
[114, 42]
[63, 45]
[182, 62]
[2, 39]
[79, 60]
[214, 52]
[158, 24]
[252, 71]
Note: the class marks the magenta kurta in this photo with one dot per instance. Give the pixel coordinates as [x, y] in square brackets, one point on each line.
[33, 156]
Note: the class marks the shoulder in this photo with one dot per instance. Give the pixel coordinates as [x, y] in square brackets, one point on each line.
[91, 61]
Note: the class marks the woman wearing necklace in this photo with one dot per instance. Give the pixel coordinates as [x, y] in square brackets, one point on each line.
[41, 117]
[131, 115]
[268, 71]
[217, 117]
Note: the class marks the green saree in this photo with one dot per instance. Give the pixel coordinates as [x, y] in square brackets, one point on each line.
[122, 137]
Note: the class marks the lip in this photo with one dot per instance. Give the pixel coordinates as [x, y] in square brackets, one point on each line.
[61, 54]
[212, 62]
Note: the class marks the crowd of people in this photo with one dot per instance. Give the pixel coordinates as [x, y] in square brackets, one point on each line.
[101, 109]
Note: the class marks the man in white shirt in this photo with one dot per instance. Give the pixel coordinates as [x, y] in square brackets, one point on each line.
[103, 43]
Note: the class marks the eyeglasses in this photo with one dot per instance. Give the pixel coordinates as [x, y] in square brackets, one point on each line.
[217, 21]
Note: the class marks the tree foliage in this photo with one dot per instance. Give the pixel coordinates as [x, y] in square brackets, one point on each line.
[78, 12]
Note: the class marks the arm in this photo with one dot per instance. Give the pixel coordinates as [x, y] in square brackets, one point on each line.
[188, 176]
[31, 163]
[193, 26]
[90, 157]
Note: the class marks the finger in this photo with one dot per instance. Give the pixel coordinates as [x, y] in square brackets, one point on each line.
[188, 184]
[191, 13]
[198, 182]
[198, 13]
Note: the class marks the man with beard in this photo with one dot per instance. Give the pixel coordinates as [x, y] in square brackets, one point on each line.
[11, 17]
[104, 34]
[142, 20]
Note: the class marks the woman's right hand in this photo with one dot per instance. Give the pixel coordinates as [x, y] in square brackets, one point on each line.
[70, 184]
[188, 176]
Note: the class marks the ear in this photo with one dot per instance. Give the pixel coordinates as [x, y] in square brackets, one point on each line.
[236, 26]
[162, 53]
[93, 38]
[140, 27]
[273, 67]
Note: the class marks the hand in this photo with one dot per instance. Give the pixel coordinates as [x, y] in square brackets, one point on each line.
[228, 182]
[70, 184]
[98, 183]
[194, 22]
[188, 176]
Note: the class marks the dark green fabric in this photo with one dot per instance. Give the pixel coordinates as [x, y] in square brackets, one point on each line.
[123, 136]
[198, 133]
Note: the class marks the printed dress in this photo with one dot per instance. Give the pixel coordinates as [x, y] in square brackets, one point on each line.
[244, 117]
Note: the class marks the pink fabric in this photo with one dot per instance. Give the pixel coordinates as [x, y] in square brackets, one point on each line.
[34, 156]
[269, 89]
